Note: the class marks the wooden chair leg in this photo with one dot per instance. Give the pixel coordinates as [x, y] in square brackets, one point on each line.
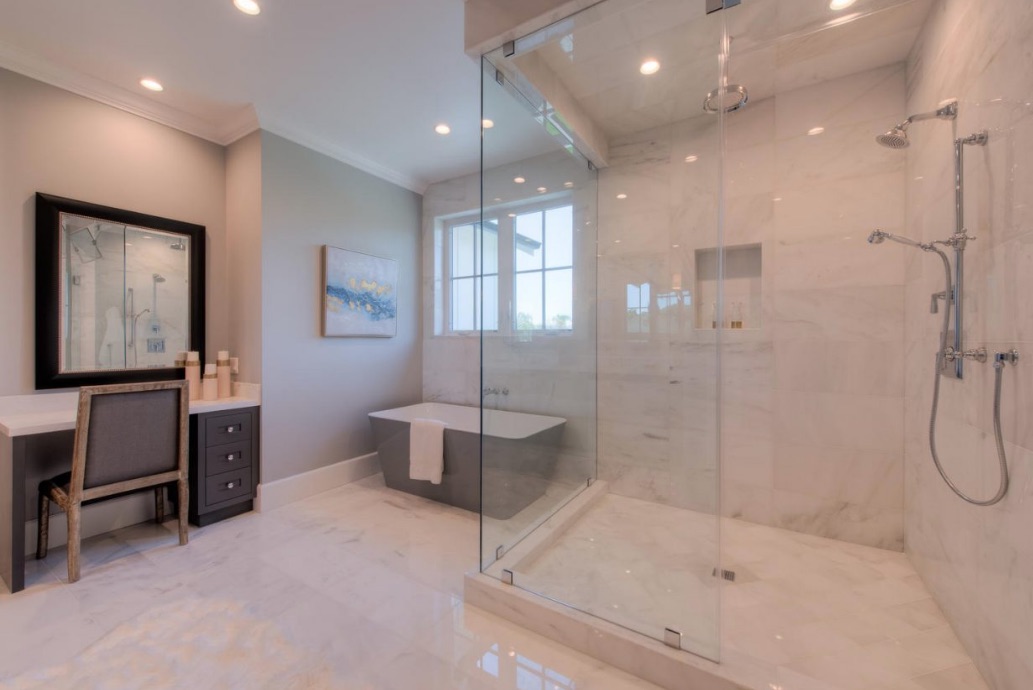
[73, 542]
[43, 526]
[159, 504]
[183, 497]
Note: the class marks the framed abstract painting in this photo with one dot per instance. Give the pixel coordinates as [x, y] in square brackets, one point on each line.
[360, 297]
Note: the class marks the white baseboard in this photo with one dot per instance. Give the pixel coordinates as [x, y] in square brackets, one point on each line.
[96, 519]
[272, 495]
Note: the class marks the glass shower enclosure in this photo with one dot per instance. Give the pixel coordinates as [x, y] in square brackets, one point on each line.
[601, 306]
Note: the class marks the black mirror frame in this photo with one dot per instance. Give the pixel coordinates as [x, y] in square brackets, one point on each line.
[48, 291]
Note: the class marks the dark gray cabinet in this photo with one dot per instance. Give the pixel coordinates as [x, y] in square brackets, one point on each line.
[223, 464]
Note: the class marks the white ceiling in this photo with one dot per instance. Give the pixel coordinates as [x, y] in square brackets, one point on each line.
[366, 80]
[776, 46]
[362, 80]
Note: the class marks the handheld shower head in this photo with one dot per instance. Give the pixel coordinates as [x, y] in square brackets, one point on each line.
[878, 237]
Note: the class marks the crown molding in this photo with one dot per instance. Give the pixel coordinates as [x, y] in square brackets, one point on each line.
[239, 125]
[321, 145]
[242, 123]
[104, 92]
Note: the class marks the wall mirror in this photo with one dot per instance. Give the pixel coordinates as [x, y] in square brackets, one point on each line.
[118, 294]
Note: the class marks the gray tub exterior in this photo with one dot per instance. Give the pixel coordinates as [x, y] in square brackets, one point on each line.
[516, 471]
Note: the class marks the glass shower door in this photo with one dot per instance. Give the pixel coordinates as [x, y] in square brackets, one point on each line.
[605, 168]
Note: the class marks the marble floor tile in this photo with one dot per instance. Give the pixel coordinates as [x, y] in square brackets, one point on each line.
[360, 589]
[355, 589]
[804, 612]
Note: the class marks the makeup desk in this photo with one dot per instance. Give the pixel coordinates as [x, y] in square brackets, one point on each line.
[36, 431]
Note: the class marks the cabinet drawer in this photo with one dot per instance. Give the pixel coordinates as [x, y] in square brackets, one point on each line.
[228, 486]
[227, 429]
[228, 457]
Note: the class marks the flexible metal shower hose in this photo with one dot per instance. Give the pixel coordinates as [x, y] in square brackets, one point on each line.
[998, 371]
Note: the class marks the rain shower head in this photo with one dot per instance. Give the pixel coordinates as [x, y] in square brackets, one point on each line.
[726, 100]
[896, 138]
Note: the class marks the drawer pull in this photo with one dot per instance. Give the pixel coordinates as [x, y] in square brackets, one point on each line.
[230, 485]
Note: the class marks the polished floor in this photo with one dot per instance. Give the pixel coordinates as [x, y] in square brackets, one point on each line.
[804, 612]
[355, 589]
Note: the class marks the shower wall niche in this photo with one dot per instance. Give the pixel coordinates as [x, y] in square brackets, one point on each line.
[742, 271]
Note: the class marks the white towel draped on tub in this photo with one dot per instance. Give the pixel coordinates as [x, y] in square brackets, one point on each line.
[426, 449]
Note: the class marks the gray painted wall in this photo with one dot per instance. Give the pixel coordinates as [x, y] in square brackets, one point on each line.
[56, 142]
[244, 258]
[317, 391]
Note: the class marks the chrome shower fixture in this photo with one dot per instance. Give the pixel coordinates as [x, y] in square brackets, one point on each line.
[726, 100]
[896, 138]
[878, 237]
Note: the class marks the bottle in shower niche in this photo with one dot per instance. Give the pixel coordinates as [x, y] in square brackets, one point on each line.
[210, 383]
[222, 374]
[737, 315]
[193, 376]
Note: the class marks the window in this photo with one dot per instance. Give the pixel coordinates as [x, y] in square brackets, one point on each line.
[544, 268]
[527, 276]
[474, 266]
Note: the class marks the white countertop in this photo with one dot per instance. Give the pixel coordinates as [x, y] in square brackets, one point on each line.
[41, 413]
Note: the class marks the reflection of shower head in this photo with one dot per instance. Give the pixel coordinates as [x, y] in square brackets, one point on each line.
[896, 138]
[727, 100]
[158, 278]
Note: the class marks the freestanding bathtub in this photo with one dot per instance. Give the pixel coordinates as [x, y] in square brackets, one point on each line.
[519, 455]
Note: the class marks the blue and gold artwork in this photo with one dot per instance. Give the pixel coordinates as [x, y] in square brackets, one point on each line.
[360, 297]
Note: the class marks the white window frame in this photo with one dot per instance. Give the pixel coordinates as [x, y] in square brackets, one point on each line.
[505, 218]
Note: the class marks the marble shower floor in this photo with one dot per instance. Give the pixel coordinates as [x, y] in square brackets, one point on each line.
[804, 612]
[359, 588]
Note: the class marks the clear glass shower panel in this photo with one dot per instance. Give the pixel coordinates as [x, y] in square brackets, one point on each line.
[538, 247]
[629, 360]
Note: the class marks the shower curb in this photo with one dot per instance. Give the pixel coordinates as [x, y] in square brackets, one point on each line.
[636, 654]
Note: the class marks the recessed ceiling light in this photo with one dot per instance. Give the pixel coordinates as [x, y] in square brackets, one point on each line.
[691, 159]
[568, 185]
[815, 131]
[247, 6]
[542, 190]
[649, 66]
[487, 124]
[519, 180]
[442, 129]
[151, 84]
[841, 4]
[622, 196]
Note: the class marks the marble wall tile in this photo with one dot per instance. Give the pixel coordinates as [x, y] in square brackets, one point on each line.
[975, 560]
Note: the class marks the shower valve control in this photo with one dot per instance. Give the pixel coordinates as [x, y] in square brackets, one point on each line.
[978, 354]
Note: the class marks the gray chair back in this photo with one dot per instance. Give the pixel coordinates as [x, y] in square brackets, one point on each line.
[129, 432]
[132, 435]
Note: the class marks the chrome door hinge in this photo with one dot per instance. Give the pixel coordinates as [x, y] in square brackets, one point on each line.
[715, 5]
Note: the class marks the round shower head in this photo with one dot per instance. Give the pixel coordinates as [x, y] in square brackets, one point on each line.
[728, 99]
[896, 138]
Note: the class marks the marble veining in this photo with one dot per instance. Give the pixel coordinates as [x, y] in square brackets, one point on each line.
[803, 612]
[358, 588]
